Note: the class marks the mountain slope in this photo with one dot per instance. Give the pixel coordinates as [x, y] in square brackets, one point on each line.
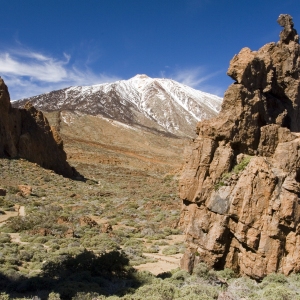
[160, 104]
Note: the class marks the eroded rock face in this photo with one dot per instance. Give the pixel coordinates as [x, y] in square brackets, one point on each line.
[26, 133]
[240, 185]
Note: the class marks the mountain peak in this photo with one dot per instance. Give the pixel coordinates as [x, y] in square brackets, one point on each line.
[141, 76]
[157, 104]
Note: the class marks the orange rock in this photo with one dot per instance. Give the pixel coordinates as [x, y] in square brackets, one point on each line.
[25, 189]
[241, 183]
[106, 228]
[87, 221]
[26, 133]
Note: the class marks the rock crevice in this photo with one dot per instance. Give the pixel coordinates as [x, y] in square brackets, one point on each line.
[244, 214]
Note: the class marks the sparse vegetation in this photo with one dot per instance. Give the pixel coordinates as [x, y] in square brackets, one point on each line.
[76, 242]
[236, 170]
[65, 218]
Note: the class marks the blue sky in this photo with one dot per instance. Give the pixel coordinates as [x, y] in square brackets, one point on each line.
[51, 44]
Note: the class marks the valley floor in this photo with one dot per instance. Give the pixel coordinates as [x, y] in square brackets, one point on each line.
[112, 233]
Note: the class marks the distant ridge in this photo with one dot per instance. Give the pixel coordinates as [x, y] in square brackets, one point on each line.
[153, 103]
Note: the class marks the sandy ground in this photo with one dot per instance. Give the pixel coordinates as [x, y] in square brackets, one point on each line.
[164, 263]
[7, 215]
[22, 211]
[15, 237]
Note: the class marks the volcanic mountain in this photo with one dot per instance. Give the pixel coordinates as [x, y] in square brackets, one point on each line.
[162, 105]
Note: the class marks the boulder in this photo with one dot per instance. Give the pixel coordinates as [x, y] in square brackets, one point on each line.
[25, 190]
[240, 185]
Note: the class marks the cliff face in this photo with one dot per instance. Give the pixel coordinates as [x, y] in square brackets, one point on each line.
[26, 133]
[240, 186]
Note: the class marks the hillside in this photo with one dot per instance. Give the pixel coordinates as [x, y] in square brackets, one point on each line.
[95, 140]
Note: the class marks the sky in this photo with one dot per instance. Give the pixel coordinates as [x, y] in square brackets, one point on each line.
[47, 45]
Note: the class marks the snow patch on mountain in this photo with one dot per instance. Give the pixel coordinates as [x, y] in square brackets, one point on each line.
[154, 103]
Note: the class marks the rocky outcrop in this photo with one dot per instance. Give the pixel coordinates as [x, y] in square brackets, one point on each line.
[240, 186]
[26, 133]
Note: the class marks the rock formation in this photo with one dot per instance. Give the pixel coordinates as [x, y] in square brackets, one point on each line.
[240, 186]
[26, 133]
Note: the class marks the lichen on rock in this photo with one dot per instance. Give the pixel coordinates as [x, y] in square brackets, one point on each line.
[250, 222]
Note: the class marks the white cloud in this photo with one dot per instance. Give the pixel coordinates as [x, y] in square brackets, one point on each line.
[196, 77]
[193, 77]
[28, 73]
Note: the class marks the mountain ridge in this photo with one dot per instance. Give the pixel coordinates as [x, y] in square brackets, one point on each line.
[161, 104]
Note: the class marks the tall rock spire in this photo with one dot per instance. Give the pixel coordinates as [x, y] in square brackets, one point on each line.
[240, 185]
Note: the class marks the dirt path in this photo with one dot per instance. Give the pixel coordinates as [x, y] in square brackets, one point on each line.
[22, 211]
[164, 263]
[15, 238]
[7, 215]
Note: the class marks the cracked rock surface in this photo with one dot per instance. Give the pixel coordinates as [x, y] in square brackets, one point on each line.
[240, 184]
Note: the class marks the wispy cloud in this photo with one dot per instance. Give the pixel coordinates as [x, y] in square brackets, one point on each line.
[193, 77]
[196, 77]
[29, 73]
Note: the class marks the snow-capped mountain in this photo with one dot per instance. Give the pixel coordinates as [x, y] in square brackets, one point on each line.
[153, 103]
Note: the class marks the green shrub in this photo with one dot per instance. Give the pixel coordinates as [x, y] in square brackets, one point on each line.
[226, 274]
[179, 277]
[202, 270]
[275, 278]
[12, 190]
[152, 249]
[161, 243]
[5, 238]
[276, 291]
[160, 290]
[4, 296]
[236, 170]
[53, 296]
[25, 255]
[156, 236]
[133, 242]
[86, 296]
[41, 239]
[144, 277]
[198, 291]
[242, 165]
[242, 287]
[171, 250]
